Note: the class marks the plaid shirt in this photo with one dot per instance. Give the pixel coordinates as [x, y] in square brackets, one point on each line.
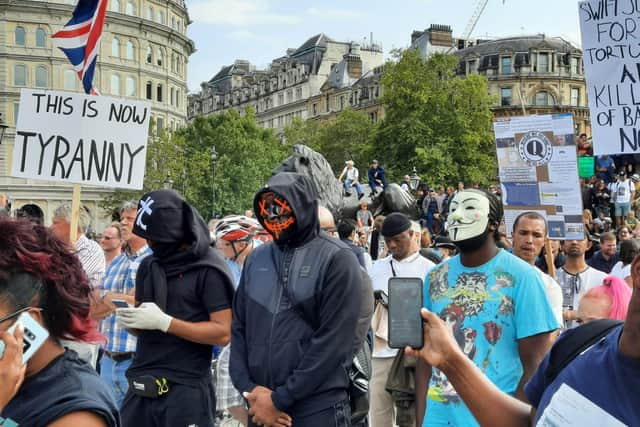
[120, 277]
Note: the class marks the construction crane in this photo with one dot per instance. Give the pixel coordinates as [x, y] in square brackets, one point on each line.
[471, 25]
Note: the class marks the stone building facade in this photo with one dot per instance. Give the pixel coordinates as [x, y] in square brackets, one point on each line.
[282, 92]
[531, 75]
[143, 55]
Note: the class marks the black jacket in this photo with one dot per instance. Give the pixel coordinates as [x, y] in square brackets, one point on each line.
[297, 341]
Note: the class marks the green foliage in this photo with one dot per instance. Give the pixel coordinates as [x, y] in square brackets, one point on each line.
[347, 137]
[436, 122]
[246, 155]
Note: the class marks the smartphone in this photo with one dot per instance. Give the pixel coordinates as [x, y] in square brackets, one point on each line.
[34, 336]
[120, 303]
[405, 322]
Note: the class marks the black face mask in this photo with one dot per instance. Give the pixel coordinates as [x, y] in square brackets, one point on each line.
[165, 250]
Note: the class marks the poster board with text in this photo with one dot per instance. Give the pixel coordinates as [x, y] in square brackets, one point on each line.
[538, 169]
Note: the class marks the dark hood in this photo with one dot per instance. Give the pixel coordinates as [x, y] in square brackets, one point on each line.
[299, 191]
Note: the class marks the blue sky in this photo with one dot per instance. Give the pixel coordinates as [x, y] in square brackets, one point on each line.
[261, 30]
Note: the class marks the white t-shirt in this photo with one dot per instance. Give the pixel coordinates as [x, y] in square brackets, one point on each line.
[622, 191]
[619, 271]
[554, 295]
[575, 286]
[351, 174]
[412, 266]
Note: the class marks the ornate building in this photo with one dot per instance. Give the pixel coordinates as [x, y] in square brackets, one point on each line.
[284, 90]
[531, 75]
[143, 54]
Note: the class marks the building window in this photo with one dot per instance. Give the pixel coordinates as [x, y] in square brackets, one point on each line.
[149, 55]
[159, 93]
[115, 5]
[16, 112]
[543, 63]
[472, 66]
[150, 13]
[149, 91]
[171, 96]
[115, 84]
[543, 99]
[505, 96]
[70, 79]
[41, 38]
[159, 61]
[20, 36]
[505, 65]
[131, 8]
[173, 22]
[281, 99]
[179, 25]
[160, 124]
[42, 76]
[20, 75]
[575, 65]
[160, 17]
[178, 98]
[130, 86]
[575, 97]
[115, 47]
[130, 50]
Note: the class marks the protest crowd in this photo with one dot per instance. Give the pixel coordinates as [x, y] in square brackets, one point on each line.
[279, 316]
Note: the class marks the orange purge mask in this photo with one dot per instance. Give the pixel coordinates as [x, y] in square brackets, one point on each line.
[276, 216]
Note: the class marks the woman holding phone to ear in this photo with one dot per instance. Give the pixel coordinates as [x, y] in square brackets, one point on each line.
[41, 277]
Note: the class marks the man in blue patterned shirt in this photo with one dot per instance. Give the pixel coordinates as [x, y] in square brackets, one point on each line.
[119, 283]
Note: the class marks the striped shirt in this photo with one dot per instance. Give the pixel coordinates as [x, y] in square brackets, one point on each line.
[121, 278]
[92, 259]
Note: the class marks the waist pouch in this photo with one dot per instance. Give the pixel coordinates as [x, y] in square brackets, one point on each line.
[148, 386]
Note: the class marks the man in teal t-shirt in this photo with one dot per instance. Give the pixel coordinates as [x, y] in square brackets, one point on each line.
[493, 302]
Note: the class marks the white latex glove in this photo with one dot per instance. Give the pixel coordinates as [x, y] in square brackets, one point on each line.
[147, 316]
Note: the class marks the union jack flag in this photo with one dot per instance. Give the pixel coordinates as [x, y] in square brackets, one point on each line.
[79, 39]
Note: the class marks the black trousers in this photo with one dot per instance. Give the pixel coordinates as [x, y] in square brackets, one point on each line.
[338, 415]
[183, 406]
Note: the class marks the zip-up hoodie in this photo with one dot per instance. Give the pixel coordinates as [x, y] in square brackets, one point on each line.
[296, 310]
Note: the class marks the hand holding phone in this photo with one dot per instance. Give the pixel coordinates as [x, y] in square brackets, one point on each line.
[405, 322]
[119, 303]
[33, 338]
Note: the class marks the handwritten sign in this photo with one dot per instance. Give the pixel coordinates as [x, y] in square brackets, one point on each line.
[538, 169]
[610, 34]
[77, 138]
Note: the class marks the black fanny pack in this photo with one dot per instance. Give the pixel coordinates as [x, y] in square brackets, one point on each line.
[149, 386]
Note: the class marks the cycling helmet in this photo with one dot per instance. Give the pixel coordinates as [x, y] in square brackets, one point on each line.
[236, 228]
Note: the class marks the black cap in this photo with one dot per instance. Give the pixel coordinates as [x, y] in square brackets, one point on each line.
[395, 224]
[161, 217]
[444, 242]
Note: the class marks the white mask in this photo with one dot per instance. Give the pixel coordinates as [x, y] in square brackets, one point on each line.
[468, 215]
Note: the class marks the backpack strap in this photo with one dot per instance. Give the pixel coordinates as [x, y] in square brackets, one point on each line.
[575, 342]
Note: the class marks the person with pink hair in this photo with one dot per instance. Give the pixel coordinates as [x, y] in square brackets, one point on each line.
[607, 301]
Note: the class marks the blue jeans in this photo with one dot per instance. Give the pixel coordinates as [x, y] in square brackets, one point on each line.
[113, 374]
[347, 186]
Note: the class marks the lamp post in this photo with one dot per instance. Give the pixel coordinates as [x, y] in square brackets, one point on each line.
[414, 180]
[214, 160]
[167, 184]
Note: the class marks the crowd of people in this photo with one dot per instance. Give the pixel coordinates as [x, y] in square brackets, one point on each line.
[291, 306]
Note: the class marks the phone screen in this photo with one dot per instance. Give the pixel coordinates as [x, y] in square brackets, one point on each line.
[405, 322]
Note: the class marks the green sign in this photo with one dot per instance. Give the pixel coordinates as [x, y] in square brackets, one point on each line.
[586, 166]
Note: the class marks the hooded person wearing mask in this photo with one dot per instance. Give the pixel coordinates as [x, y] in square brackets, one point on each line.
[183, 299]
[295, 314]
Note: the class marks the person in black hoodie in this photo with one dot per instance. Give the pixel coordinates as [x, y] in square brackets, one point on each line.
[295, 314]
[183, 299]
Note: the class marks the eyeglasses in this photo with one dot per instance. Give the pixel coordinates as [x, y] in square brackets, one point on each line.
[17, 313]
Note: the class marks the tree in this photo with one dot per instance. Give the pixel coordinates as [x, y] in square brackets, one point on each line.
[435, 121]
[247, 154]
[347, 137]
